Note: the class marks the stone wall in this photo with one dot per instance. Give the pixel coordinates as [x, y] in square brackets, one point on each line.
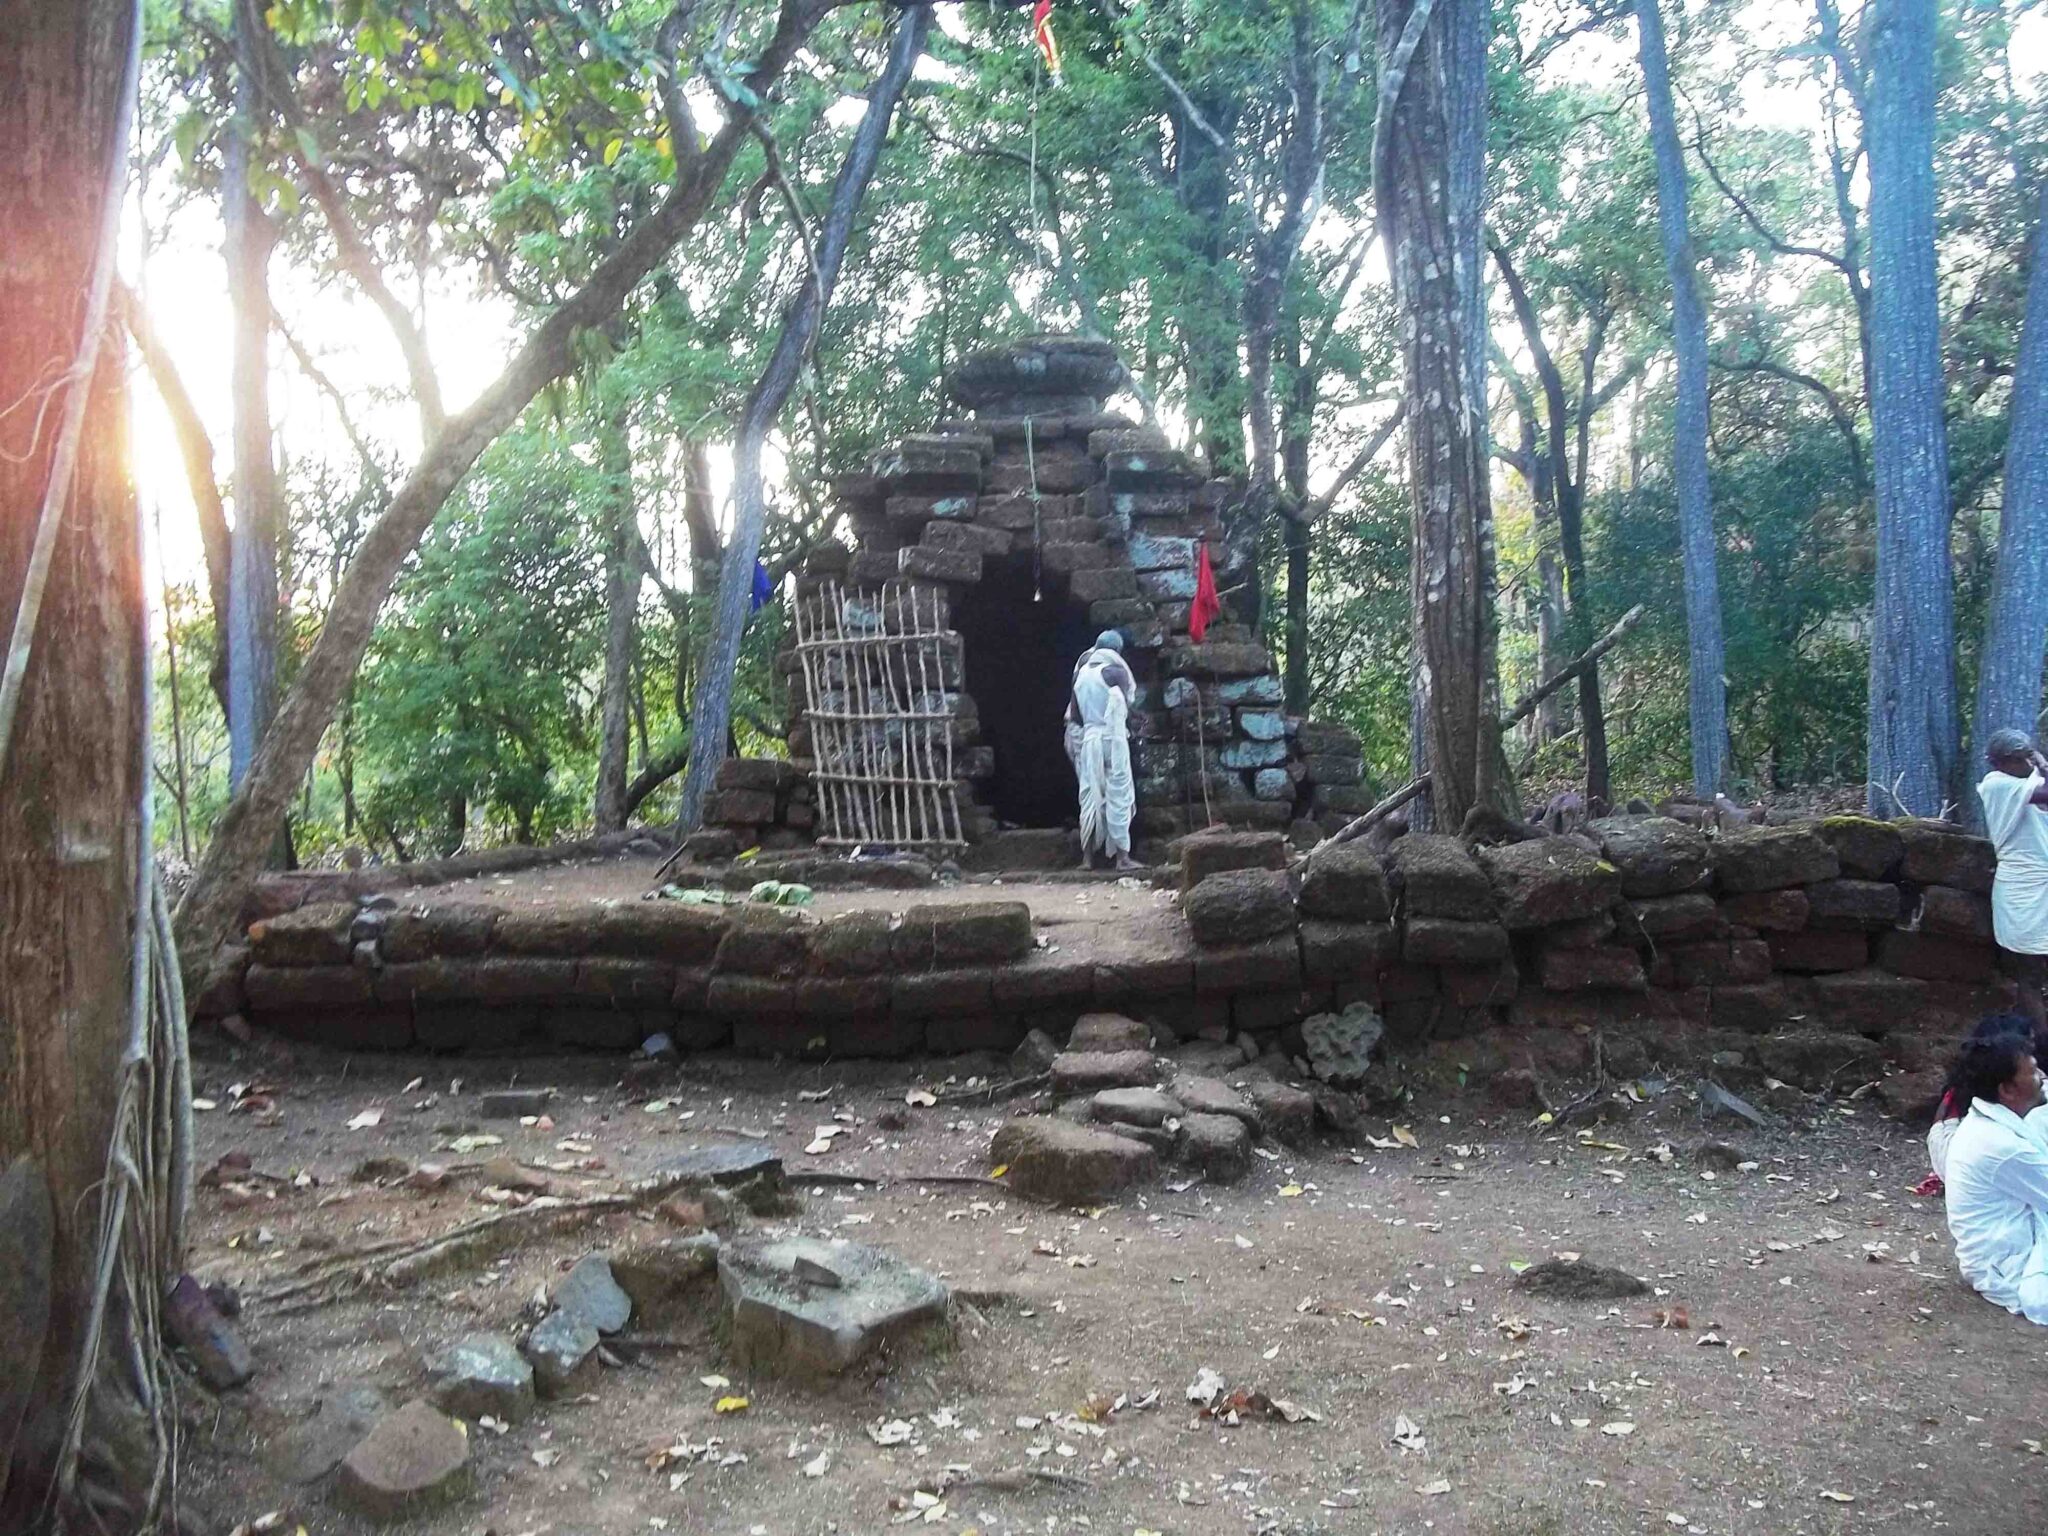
[1828, 954]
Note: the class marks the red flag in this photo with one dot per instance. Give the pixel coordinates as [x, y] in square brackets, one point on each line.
[1041, 34]
[1207, 605]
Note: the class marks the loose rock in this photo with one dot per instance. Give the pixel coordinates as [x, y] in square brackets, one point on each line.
[1219, 1145]
[1087, 1071]
[315, 1448]
[660, 1271]
[1108, 1032]
[481, 1373]
[590, 1292]
[783, 1323]
[1135, 1106]
[563, 1352]
[1069, 1164]
[512, 1103]
[1209, 1096]
[416, 1458]
[1285, 1113]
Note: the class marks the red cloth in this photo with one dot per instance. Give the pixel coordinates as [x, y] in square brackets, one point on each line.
[1930, 1187]
[1207, 605]
[1041, 34]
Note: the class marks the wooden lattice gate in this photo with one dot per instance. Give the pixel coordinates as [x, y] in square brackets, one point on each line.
[882, 677]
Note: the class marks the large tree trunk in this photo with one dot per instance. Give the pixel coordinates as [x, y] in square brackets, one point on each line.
[251, 636]
[242, 836]
[1424, 213]
[711, 708]
[1912, 738]
[71, 762]
[1706, 696]
[1299, 536]
[2009, 675]
[622, 602]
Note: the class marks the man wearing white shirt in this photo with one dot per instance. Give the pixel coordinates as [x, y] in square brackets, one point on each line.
[2015, 798]
[1998, 1177]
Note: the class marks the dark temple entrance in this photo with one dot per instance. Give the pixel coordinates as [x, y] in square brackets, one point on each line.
[1020, 660]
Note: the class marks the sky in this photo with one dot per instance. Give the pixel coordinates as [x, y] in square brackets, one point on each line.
[173, 258]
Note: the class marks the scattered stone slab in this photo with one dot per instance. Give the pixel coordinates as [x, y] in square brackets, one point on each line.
[1035, 1054]
[747, 1171]
[590, 1292]
[311, 1450]
[657, 1272]
[1087, 1071]
[1205, 1057]
[1211, 1096]
[412, 1461]
[1108, 1032]
[1339, 1046]
[1067, 1164]
[563, 1352]
[1578, 1280]
[1219, 1145]
[1716, 1100]
[481, 1373]
[1287, 1114]
[1337, 1111]
[1161, 1140]
[513, 1103]
[1656, 855]
[1135, 1106]
[788, 1320]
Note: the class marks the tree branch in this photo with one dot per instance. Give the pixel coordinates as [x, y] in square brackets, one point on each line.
[1581, 663]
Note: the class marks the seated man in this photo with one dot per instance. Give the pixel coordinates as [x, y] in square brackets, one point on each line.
[1998, 1177]
[2015, 798]
[1099, 745]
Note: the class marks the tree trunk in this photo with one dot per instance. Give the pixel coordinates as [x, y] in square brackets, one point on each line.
[242, 835]
[2009, 675]
[1706, 695]
[251, 634]
[1912, 732]
[1299, 536]
[711, 708]
[72, 765]
[1424, 219]
[622, 602]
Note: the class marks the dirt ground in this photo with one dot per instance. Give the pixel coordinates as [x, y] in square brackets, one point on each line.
[1834, 1375]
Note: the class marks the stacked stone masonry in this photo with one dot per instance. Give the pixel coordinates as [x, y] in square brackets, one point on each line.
[1823, 954]
[1112, 518]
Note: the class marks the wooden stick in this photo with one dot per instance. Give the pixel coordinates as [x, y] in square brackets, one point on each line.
[1379, 813]
[1573, 668]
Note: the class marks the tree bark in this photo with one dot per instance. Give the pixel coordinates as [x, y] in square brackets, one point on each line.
[1706, 688]
[72, 775]
[251, 633]
[1912, 729]
[1425, 215]
[1296, 529]
[622, 602]
[232, 859]
[711, 708]
[2009, 673]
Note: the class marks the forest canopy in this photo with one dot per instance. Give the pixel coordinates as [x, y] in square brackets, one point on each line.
[350, 214]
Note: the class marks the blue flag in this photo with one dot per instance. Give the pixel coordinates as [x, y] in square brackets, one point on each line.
[764, 587]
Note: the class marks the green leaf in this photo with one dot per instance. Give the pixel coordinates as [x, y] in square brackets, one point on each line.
[611, 150]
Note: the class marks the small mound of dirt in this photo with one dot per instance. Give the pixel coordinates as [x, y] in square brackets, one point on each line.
[1576, 1280]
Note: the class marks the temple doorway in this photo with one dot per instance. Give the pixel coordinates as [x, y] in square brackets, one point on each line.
[1020, 662]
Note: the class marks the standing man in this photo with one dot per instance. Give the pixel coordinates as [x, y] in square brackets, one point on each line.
[2015, 799]
[1998, 1176]
[1099, 745]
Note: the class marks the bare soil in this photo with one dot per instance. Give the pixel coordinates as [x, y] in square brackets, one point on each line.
[1832, 1375]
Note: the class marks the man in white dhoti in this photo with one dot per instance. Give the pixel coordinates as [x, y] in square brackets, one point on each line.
[2015, 798]
[1998, 1177]
[1098, 742]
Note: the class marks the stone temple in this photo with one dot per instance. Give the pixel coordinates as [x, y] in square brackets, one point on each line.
[1024, 527]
